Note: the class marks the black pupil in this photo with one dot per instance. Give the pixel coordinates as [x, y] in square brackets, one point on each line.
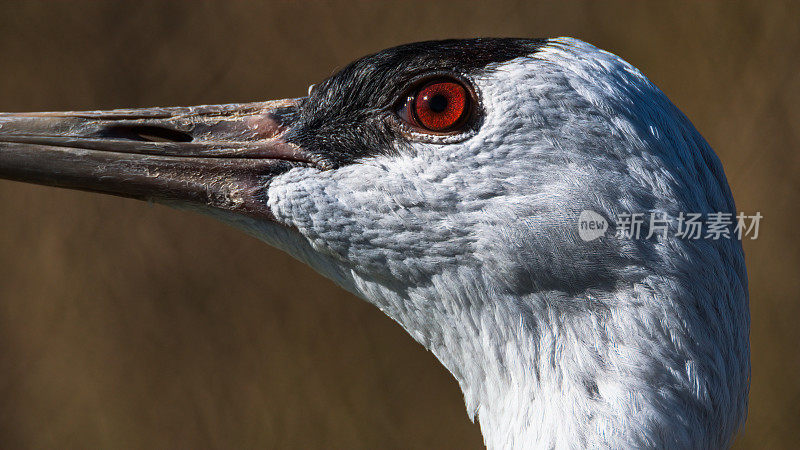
[438, 103]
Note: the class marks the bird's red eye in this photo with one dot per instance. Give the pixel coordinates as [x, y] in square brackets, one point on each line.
[439, 106]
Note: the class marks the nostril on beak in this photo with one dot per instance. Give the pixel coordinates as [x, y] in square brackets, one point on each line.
[145, 133]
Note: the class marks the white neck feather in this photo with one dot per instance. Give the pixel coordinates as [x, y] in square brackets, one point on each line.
[548, 371]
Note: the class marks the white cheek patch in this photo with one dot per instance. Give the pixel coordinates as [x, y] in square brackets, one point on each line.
[534, 155]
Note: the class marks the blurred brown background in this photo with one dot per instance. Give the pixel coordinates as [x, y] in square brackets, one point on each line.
[125, 325]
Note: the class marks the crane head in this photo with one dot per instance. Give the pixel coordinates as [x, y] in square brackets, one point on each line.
[443, 182]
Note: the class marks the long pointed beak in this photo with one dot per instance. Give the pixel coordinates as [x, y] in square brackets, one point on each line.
[219, 156]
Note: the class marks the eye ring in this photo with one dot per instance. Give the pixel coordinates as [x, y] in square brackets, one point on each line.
[440, 106]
